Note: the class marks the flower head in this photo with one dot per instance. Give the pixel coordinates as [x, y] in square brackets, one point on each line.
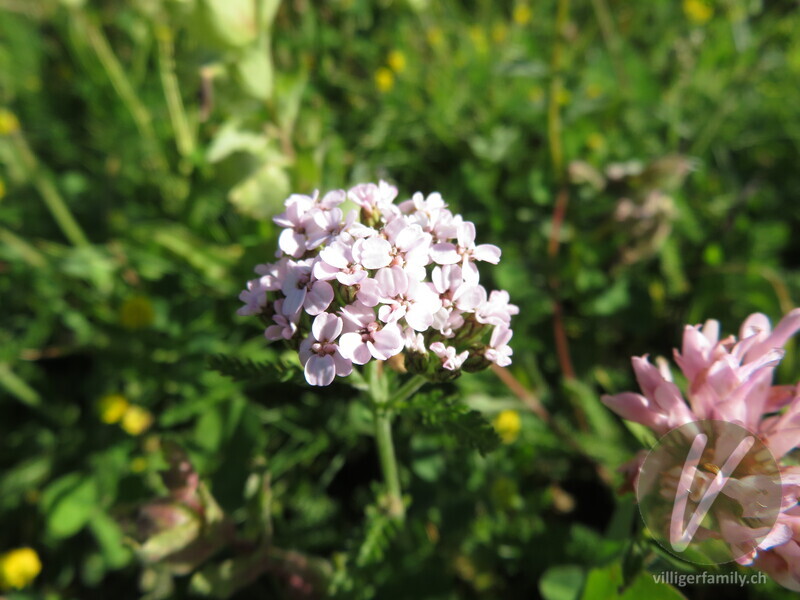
[730, 380]
[379, 281]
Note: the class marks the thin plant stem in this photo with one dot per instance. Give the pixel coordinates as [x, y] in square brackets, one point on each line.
[408, 389]
[58, 208]
[380, 398]
[562, 198]
[562, 343]
[184, 137]
[383, 439]
[533, 403]
[43, 182]
[26, 251]
[556, 87]
[121, 84]
[612, 41]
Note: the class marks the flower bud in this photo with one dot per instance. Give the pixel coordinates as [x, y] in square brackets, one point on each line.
[417, 363]
[183, 530]
[476, 361]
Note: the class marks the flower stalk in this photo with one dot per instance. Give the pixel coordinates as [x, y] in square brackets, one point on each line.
[382, 418]
[408, 389]
[43, 182]
[391, 476]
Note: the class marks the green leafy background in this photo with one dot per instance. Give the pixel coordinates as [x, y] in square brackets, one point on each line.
[144, 147]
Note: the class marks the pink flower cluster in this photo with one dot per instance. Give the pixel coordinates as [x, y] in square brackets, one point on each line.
[731, 380]
[379, 280]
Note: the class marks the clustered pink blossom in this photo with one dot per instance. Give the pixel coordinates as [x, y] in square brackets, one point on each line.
[379, 280]
[732, 380]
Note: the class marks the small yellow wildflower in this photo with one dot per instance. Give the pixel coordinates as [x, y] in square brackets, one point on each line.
[522, 14]
[138, 464]
[499, 33]
[508, 424]
[163, 33]
[563, 96]
[505, 493]
[698, 11]
[595, 141]
[8, 122]
[136, 420]
[384, 79]
[112, 408]
[396, 61]
[657, 292]
[2, 188]
[536, 94]
[19, 567]
[478, 38]
[136, 313]
[793, 60]
[594, 91]
[151, 444]
[33, 83]
[435, 36]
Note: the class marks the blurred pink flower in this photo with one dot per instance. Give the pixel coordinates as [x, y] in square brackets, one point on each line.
[254, 298]
[284, 327]
[730, 380]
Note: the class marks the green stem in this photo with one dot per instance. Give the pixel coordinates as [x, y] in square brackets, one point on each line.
[408, 389]
[177, 113]
[612, 41]
[121, 84]
[43, 182]
[554, 135]
[383, 438]
[380, 397]
[556, 86]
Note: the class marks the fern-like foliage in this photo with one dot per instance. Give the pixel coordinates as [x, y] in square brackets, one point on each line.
[468, 427]
[379, 530]
[244, 369]
[362, 568]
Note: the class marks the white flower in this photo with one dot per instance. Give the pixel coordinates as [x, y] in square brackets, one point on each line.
[450, 360]
[401, 281]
